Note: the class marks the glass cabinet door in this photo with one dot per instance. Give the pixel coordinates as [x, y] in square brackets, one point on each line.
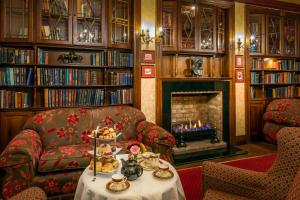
[256, 34]
[169, 25]
[273, 35]
[54, 24]
[17, 20]
[119, 23]
[89, 22]
[221, 25]
[289, 36]
[187, 27]
[207, 28]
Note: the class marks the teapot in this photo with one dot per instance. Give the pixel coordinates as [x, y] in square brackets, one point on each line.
[131, 169]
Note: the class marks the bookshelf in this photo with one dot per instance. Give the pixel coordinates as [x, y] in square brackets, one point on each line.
[80, 55]
[272, 61]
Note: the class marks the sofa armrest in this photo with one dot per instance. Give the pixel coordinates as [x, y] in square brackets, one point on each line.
[233, 180]
[160, 140]
[19, 162]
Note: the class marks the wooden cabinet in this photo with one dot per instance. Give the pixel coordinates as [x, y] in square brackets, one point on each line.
[256, 34]
[11, 124]
[16, 20]
[290, 35]
[89, 22]
[119, 23]
[273, 35]
[188, 30]
[207, 28]
[54, 21]
[169, 21]
[221, 27]
[256, 111]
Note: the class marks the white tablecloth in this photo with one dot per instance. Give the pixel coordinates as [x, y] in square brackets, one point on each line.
[145, 187]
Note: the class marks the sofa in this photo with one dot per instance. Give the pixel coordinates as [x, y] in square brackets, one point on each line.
[51, 151]
[280, 113]
[280, 182]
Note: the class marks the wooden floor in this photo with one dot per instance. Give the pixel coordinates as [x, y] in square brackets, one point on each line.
[254, 149]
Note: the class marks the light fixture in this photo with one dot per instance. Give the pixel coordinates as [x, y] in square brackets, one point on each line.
[146, 38]
[160, 32]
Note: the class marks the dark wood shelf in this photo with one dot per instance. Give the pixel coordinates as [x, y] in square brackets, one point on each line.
[17, 65]
[81, 86]
[81, 66]
[17, 86]
[200, 79]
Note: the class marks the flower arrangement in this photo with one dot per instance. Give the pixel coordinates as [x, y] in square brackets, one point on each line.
[135, 150]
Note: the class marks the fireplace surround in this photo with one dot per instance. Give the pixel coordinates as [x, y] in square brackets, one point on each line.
[188, 103]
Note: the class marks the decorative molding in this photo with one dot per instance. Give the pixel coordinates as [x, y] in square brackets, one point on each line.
[273, 4]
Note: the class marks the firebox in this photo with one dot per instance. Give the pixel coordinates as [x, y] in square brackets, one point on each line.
[196, 116]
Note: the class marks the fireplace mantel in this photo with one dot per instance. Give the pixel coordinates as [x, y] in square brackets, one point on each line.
[196, 79]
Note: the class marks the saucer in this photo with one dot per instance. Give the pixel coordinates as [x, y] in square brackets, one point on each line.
[163, 174]
[117, 186]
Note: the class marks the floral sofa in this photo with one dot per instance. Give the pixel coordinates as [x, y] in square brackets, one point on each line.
[280, 113]
[51, 151]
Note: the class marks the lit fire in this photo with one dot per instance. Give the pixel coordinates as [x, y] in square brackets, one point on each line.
[190, 126]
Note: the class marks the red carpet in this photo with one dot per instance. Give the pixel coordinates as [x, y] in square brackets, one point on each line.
[191, 178]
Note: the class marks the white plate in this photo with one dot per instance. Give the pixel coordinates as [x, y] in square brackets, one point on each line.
[106, 140]
[98, 155]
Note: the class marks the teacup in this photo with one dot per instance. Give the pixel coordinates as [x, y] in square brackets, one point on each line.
[118, 178]
[163, 167]
[151, 159]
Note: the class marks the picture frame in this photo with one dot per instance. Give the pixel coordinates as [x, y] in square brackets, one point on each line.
[239, 76]
[148, 56]
[239, 61]
[148, 71]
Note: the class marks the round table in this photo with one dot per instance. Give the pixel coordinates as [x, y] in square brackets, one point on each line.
[145, 187]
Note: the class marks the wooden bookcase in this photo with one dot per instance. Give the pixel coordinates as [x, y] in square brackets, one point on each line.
[273, 62]
[193, 30]
[71, 61]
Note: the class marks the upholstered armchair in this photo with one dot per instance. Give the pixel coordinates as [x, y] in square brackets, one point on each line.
[280, 113]
[52, 150]
[226, 182]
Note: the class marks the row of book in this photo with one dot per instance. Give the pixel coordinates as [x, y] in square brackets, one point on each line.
[256, 78]
[14, 99]
[16, 56]
[284, 64]
[98, 58]
[280, 92]
[116, 58]
[16, 76]
[282, 77]
[122, 96]
[73, 97]
[120, 78]
[69, 77]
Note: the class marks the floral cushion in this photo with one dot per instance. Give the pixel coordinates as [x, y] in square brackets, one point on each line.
[33, 193]
[65, 157]
[122, 118]
[62, 127]
[58, 183]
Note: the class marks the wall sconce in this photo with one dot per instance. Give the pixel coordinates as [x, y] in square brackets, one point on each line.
[160, 32]
[240, 44]
[146, 38]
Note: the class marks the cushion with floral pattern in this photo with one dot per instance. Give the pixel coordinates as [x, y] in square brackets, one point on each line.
[65, 157]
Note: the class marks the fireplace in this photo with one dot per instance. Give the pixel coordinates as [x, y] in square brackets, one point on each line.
[197, 114]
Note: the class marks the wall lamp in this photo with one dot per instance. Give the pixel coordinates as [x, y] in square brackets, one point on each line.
[147, 39]
[240, 44]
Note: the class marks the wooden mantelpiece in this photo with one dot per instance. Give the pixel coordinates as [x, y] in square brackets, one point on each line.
[196, 79]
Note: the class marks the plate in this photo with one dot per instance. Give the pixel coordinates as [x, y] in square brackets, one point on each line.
[163, 174]
[146, 166]
[99, 155]
[111, 186]
[107, 139]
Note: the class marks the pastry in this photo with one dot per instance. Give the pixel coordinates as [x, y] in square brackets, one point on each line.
[104, 164]
[104, 149]
[105, 133]
[98, 166]
[107, 167]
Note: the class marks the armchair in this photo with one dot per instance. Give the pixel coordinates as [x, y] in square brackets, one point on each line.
[219, 179]
[51, 151]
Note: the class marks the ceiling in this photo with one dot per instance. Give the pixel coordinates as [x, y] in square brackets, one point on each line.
[292, 1]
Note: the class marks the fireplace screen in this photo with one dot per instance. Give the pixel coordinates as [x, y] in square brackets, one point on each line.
[197, 116]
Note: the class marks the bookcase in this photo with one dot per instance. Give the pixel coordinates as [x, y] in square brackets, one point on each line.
[272, 62]
[72, 60]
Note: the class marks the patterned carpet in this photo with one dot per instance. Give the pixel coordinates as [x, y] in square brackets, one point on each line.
[191, 178]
